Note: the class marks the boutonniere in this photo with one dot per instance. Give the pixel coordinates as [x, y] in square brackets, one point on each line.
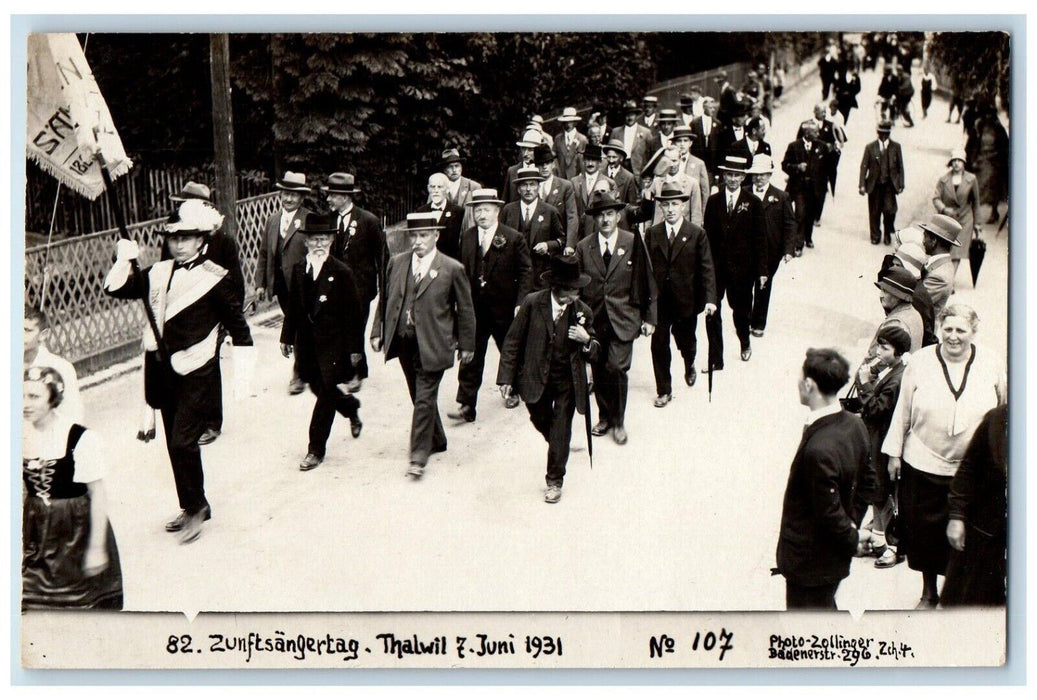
[498, 241]
[331, 278]
[620, 252]
[581, 319]
[744, 206]
[446, 213]
[352, 228]
[296, 223]
[540, 218]
[322, 298]
[684, 239]
[433, 274]
[772, 198]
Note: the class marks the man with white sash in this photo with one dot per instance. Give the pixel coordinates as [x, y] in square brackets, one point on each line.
[191, 298]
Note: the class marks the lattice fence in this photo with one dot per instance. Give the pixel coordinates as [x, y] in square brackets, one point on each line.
[91, 329]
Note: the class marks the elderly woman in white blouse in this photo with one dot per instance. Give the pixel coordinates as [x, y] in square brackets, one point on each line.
[69, 557]
[946, 390]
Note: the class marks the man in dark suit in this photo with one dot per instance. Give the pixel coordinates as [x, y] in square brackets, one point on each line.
[663, 136]
[752, 144]
[829, 68]
[622, 295]
[450, 215]
[706, 130]
[459, 188]
[320, 327]
[728, 99]
[626, 183]
[530, 140]
[544, 358]
[636, 138]
[832, 136]
[559, 193]
[192, 297]
[737, 240]
[818, 538]
[683, 269]
[649, 112]
[425, 313]
[496, 261]
[733, 132]
[780, 229]
[882, 179]
[360, 244]
[805, 164]
[583, 184]
[281, 249]
[569, 145]
[535, 219]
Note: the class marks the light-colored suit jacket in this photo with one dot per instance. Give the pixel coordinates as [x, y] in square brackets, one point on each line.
[639, 154]
[293, 249]
[444, 317]
[692, 208]
[563, 198]
[939, 281]
[570, 163]
[695, 168]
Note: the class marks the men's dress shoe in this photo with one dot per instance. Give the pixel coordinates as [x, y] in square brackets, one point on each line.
[810, 244]
[716, 368]
[888, 240]
[662, 400]
[875, 241]
[416, 471]
[355, 426]
[619, 434]
[553, 494]
[927, 603]
[177, 523]
[310, 461]
[746, 354]
[757, 332]
[208, 437]
[192, 527]
[690, 376]
[146, 435]
[600, 428]
[465, 413]
[888, 559]
[799, 252]
[818, 223]
[354, 384]
[296, 386]
[512, 401]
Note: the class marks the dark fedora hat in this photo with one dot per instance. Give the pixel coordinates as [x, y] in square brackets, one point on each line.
[543, 154]
[592, 151]
[943, 226]
[631, 107]
[565, 272]
[316, 224]
[484, 196]
[423, 221]
[898, 281]
[341, 183]
[450, 155]
[600, 201]
[671, 190]
[293, 182]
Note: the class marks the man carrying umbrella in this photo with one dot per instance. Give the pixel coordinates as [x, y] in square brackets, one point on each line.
[544, 360]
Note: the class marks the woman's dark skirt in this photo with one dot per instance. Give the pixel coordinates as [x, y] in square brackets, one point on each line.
[923, 519]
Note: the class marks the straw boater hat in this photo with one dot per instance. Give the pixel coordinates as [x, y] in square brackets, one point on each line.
[884, 127]
[537, 119]
[682, 132]
[672, 190]
[762, 165]
[649, 99]
[484, 196]
[192, 190]
[450, 155]
[898, 281]
[957, 154]
[565, 272]
[527, 174]
[318, 224]
[194, 217]
[631, 107]
[943, 227]
[423, 221]
[734, 164]
[341, 183]
[530, 139]
[569, 115]
[667, 115]
[600, 201]
[615, 145]
[292, 182]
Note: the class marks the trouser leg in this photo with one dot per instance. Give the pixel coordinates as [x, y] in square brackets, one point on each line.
[875, 213]
[661, 357]
[365, 313]
[684, 334]
[740, 297]
[426, 432]
[184, 421]
[762, 299]
[560, 432]
[603, 387]
[810, 597]
[469, 376]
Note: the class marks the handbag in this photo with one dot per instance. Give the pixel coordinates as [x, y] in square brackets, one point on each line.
[892, 528]
[852, 402]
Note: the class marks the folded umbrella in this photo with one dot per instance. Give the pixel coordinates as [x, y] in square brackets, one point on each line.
[977, 251]
[587, 416]
[711, 337]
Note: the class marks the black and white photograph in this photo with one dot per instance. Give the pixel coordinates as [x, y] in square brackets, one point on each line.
[544, 331]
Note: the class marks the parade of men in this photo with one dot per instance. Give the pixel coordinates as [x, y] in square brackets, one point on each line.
[882, 179]
[360, 244]
[738, 241]
[496, 260]
[349, 219]
[281, 250]
[536, 220]
[449, 214]
[686, 284]
[425, 314]
[569, 144]
[322, 328]
[621, 294]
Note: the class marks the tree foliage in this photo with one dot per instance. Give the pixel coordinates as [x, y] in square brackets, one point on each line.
[975, 61]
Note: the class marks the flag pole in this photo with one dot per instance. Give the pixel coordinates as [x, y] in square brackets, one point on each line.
[113, 201]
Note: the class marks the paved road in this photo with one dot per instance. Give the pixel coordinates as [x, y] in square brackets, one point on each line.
[684, 517]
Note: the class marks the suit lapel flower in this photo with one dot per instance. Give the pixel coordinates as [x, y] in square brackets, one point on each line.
[743, 207]
[433, 274]
[331, 278]
[296, 223]
[540, 219]
[446, 214]
[498, 240]
[620, 252]
[772, 198]
[352, 228]
[322, 298]
[581, 319]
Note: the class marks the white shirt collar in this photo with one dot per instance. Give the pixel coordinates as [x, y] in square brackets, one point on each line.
[760, 193]
[611, 240]
[818, 413]
[556, 307]
[531, 207]
[347, 212]
[422, 265]
[315, 263]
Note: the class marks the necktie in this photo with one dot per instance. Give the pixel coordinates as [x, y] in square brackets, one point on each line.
[558, 313]
[730, 204]
[607, 255]
[484, 241]
[341, 222]
[612, 171]
[526, 215]
[671, 233]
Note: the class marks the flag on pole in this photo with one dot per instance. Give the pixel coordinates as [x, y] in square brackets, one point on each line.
[68, 120]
